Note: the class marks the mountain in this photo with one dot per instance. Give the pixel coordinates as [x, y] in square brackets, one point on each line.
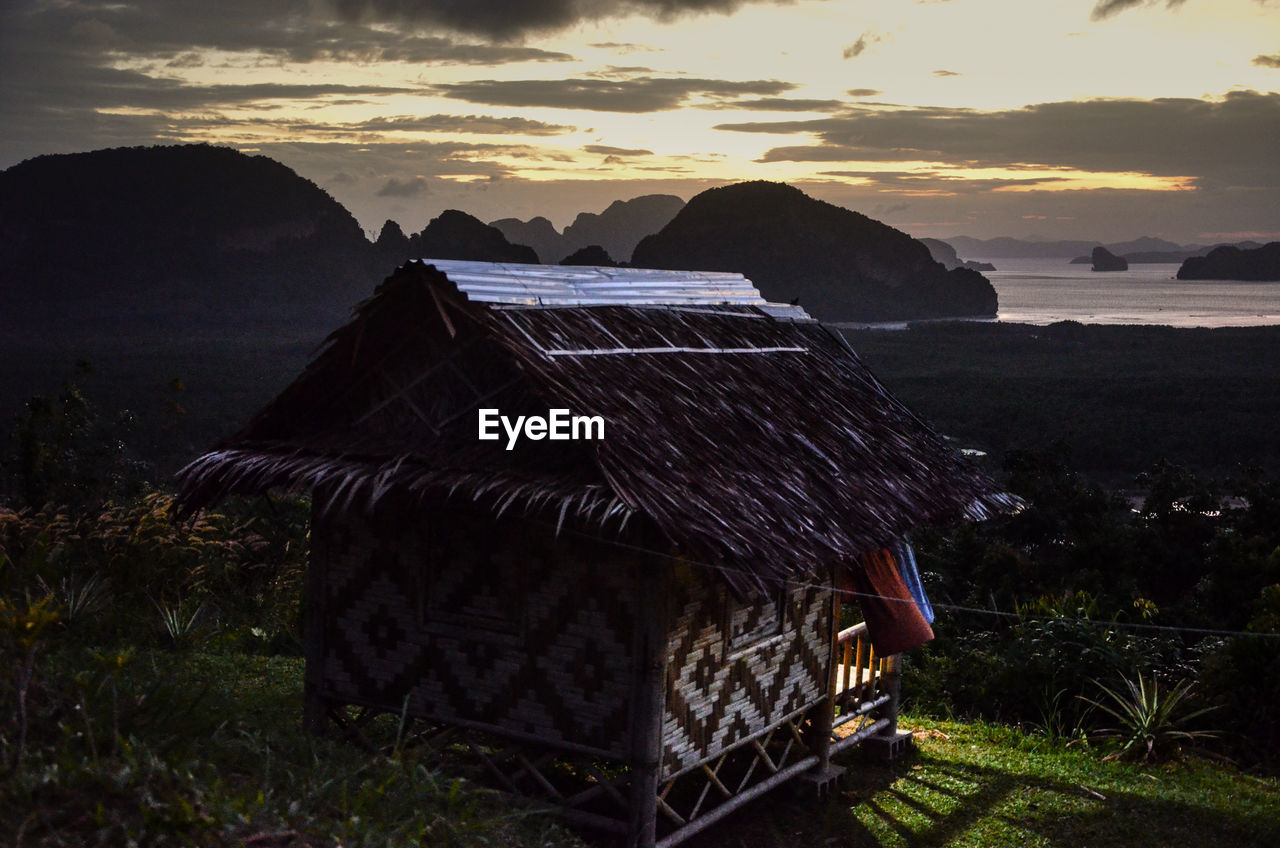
[1145, 244]
[392, 245]
[1232, 263]
[198, 230]
[591, 255]
[1012, 248]
[617, 229]
[457, 235]
[620, 227]
[843, 266]
[538, 233]
[946, 254]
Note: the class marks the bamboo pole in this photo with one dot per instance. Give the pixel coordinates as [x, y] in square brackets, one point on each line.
[893, 687]
[823, 721]
[647, 702]
[714, 815]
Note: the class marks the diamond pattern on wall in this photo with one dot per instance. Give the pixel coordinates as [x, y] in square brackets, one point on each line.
[716, 696]
[518, 632]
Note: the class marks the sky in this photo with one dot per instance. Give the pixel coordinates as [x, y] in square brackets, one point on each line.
[1090, 119]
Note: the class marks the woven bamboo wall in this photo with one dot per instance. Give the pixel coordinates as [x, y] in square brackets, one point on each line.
[502, 626]
[736, 668]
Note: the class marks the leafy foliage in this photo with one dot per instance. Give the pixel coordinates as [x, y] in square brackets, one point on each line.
[1084, 573]
[63, 451]
[1152, 725]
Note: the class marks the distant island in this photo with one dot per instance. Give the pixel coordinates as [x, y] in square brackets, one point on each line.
[1165, 257]
[1105, 260]
[1233, 263]
[838, 264]
[1146, 249]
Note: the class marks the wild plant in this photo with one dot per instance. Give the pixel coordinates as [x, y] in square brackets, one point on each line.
[82, 596]
[181, 623]
[23, 626]
[1152, 725]
[1057, 724]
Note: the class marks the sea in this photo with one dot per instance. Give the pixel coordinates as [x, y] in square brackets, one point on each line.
[1042, 291]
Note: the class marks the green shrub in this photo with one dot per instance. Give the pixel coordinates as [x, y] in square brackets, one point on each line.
[1151, 725]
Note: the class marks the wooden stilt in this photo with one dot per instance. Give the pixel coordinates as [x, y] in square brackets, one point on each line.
[892, 684]
[647, 704]
[825, 718]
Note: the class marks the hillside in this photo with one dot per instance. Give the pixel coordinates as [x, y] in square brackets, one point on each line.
[166, 238]
[1233, 263]
[457, 235]
[841, 265]
[946, 254]
[198, 228]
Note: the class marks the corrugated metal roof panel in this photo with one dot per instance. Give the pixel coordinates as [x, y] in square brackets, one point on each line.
[786, 311]
[580, 285]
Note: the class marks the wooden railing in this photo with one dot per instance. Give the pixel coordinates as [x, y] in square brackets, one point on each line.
[861, 677]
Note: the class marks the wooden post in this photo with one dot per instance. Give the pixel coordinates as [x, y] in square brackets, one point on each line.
[893, 685]
[823, 721]
[890, 742]
[648, 699]
[314, 705]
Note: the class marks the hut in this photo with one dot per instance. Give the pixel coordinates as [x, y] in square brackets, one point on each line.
[651, 605]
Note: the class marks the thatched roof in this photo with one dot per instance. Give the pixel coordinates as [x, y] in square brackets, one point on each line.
[745, 433]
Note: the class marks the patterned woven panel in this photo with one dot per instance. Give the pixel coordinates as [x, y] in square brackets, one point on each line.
[504, 627]
[738, 668]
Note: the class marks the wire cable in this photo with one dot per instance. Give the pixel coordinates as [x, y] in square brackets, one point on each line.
[1129, 625]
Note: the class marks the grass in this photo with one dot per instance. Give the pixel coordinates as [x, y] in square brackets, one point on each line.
[982, 786]
[211, 753]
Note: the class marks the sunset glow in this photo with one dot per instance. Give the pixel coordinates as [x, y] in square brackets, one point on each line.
[859, 101]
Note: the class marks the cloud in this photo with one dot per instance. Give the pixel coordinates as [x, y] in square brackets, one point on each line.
[863, 92]
[1106, 8]
[473, 124]
[839, 153]
[509, 19]
[107, 88]
[642, 94]
[782, 104]
[616, 151]
[860, 46]
[1272, 61]
[1228, 140]
[626, 47]
[69, 69]
[179, 30]
[403, 188]
[935, 182]
[943, 73]
[619, 72]
[370, 46]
